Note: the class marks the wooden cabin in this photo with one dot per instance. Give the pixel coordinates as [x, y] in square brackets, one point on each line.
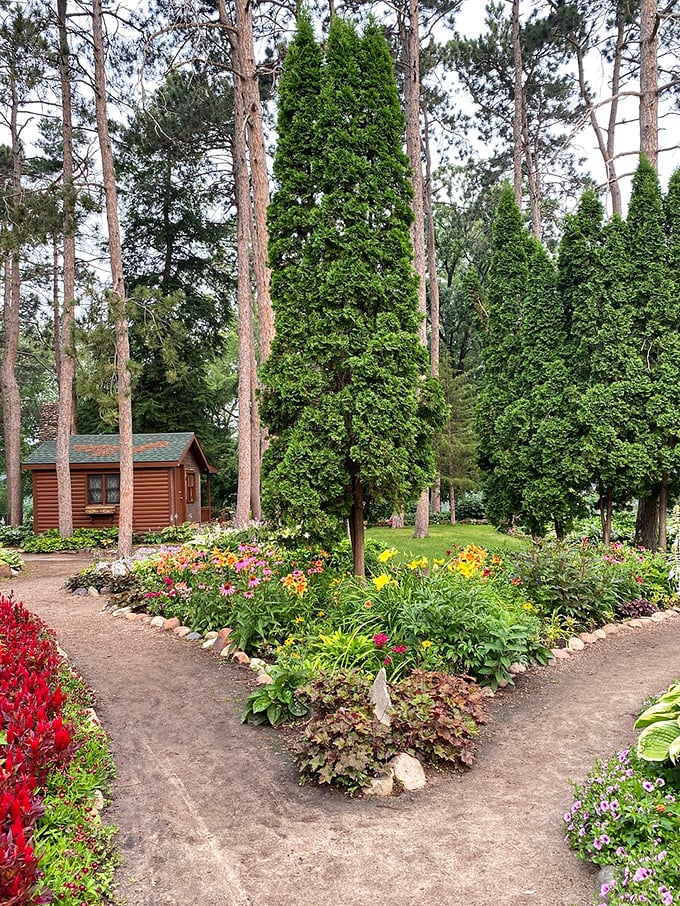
[171, 481]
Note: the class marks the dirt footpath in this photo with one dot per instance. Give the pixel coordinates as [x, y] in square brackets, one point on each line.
[210, 811]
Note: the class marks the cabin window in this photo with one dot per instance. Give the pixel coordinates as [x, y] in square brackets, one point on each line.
[103, 489]
[191, 487]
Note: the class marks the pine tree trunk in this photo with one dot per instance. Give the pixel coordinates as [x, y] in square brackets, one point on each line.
[117, 298]
[11, 401]
[356, 526]
[411, 46]
[252, 108]
[256, 439]
[519, 105]
[452, 504]
[66, 364]
[647, 523]
[397, 520]
[245, 321]
[649, 81]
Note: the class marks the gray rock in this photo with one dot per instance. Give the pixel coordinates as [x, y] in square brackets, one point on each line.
[382, 785]
[193, 636]
[121, 611]
[408, 771]
[182, 631]
[93, 592]
[380, 698]
[211, 635]
[80, 591]
[604, 876]
[517, 668]
[575, 644]
[599, 634]
[97, 800]
[158, 621]
[208, 643]
[105, 591]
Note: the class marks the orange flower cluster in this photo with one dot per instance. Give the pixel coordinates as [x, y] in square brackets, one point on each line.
[295, 582]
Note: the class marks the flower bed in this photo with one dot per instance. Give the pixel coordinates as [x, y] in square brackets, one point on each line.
[41, 751]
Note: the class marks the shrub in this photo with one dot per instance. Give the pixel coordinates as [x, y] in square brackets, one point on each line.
[171, 534]
[50, 541]
[434, 716]
[660, 725]
[15, 535]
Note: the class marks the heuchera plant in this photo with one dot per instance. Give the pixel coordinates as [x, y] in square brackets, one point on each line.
[34, 740]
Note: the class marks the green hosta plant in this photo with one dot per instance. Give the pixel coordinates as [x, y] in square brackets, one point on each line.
[279, 701]
[11, 558]
[660, 725]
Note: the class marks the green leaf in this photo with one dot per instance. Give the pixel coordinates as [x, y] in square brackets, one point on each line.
[661, 711]
[674, 750]
[274, 713]
[654, 741]
[261, 703]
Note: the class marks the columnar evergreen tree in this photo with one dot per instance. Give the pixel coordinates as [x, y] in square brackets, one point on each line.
[655, 326]
[346, 393]
[500, 414]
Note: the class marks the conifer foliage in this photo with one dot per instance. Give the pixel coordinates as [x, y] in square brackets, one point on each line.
[346, 393]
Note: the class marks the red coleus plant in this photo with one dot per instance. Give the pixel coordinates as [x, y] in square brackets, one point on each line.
[34, 740]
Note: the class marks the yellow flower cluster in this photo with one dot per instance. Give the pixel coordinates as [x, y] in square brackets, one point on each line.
[418, 563]
[470, 561]
[387, 555]
[381, 581]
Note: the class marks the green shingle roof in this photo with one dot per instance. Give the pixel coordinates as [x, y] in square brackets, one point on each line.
[105, 448]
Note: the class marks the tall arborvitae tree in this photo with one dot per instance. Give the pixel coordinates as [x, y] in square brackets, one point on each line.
[547, 456]
[499, 417]
[656, 317]
[609, 378]
[346, 391]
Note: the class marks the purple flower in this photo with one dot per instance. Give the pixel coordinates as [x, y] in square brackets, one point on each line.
[660, 781]
[647, 785]
[597, 844]
[604, 839]
[642, 874]
[604, 805]
[621, 852]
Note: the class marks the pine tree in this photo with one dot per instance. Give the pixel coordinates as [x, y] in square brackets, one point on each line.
[346, 393]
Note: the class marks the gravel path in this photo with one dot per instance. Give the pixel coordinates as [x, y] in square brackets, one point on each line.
[210, 811]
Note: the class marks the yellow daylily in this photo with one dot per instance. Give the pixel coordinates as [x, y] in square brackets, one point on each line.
[387, 555]
[381, 581]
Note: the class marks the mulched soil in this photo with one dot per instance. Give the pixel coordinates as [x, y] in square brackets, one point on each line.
[210, 811]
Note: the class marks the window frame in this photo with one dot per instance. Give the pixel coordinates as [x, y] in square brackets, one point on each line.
[104, 489]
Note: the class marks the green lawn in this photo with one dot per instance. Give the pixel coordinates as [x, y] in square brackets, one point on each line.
[443, 538]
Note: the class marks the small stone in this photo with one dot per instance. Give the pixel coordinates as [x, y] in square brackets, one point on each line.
[635, 624]
[604, 876]
[193, 637]
[488, 692]
[62, 654]
[5, 571]
[517, 668]
[145, 618]
[157, 622]
[121, 611]
[207, 643]
[170, 624]
[80, 591]
[575, 644]
[561, 654]
[503, 683]
[587, 638]
[221, 640]
[210, 635]
[600, 634]
[408, 771]
[241, 658]
[646, 621]
[98, 800]
[382, 785]
[379, 697]
[133, 617]
[105, 590]
[93, 592]
[659, 616]
[15, 572]
[611, 629]
[226, 651]
[181, 631]
[264, 679]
